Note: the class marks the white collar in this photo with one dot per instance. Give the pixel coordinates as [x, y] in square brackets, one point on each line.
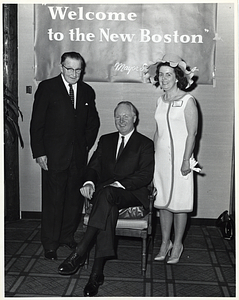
[67, 83]
[127, 136]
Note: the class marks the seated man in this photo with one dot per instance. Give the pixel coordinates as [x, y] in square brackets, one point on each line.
[115, 179]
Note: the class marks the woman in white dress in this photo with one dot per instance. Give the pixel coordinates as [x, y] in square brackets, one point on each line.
[177, 120]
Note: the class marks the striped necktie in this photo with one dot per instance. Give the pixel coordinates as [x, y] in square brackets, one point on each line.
[71, 94]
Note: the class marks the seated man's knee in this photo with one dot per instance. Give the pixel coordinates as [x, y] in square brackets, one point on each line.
[108, 193]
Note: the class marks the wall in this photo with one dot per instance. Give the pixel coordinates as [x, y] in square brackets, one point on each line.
[216, 107]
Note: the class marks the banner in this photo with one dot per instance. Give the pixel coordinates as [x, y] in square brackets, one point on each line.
[117, 40]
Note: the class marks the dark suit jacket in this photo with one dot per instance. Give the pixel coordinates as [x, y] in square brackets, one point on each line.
[134, 168]
[57, 128]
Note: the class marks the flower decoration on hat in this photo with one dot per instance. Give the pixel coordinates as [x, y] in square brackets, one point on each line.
[174, 61]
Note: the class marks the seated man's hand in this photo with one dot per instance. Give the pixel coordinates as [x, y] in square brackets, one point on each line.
[87, 191]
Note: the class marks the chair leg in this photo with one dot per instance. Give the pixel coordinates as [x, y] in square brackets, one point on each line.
[144, 255]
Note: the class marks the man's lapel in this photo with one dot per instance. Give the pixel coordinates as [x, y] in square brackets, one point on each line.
[114, 144]
[78, 94]
[62, 87]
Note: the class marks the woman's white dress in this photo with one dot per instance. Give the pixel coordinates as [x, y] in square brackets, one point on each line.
[174, 191]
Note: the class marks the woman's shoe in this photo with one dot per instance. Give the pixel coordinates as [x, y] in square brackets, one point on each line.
[175, 260]
[160, 257]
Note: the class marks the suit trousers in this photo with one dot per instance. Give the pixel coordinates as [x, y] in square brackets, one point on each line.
[62, 205]
[104, 216]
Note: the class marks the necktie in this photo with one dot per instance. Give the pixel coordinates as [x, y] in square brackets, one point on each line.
[121, 147]
[71, 94]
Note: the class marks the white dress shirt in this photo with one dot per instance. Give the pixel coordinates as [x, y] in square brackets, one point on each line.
[126, 139]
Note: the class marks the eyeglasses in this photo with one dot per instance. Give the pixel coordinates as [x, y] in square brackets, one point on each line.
[71, 70]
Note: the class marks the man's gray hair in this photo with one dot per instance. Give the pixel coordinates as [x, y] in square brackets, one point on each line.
[130, 104]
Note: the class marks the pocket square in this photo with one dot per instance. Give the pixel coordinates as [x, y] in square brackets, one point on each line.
[86, 103]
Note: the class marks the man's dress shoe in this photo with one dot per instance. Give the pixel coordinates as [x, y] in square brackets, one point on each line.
[71, 264]
[50, 254]
[71, 245]
[95, 280]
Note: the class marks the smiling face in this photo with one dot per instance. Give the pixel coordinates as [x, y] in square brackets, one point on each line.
[167, 78]
[71, 69]
[124, 119]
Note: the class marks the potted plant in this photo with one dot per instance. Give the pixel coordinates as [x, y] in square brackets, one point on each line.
[11, 115]
[11, 164]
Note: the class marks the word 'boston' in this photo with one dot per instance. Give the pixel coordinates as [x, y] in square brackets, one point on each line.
[64, 12]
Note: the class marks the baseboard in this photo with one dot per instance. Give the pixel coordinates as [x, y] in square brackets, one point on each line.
[36, 215]
[202, 221]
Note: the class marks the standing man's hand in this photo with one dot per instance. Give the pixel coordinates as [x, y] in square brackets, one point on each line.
[42, 161]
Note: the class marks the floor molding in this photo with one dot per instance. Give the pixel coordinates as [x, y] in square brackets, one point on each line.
[36, 215]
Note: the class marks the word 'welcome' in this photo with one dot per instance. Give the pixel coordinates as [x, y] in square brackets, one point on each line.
[64, 12]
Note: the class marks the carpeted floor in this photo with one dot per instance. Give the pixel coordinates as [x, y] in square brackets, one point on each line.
[206, 268]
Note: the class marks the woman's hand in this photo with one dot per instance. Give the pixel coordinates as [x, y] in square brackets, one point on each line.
[42, 161]
[185, 168]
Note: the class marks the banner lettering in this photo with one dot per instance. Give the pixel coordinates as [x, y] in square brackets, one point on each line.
[118, 40]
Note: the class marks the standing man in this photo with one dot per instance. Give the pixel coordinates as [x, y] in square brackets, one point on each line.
[64, 127]
[117, 177]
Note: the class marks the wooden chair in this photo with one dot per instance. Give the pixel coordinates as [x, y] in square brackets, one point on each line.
[137, 228]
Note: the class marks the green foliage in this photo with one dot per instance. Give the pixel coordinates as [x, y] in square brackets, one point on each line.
[11, 115]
